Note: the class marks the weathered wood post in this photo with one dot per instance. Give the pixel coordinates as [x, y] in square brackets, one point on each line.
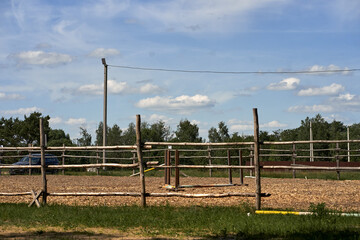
[30, 162]
[294, 159]
[241, 170]
[140, 159]
[133, 160]
[165, 164]
[256, 159]
[43, 165]
[251, 172]
[177, 171]
[168, 170]
[63, 159]
[229, 164]
[209, 158]
[337, 160]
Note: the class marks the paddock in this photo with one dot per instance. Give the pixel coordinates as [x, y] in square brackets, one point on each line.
[296, 194]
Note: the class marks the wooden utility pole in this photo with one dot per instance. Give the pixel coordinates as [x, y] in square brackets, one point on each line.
[256, 159]
[105, 110]
[43, 167]
[140, 160]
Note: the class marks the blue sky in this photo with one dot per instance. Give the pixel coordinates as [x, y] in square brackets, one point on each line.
[50, 61]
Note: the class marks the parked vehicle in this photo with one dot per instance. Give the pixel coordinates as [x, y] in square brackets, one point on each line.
[35, 160]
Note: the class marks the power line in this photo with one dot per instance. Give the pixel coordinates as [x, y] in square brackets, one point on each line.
[236, 72]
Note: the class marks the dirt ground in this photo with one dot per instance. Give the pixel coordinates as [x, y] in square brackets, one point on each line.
[294, 194]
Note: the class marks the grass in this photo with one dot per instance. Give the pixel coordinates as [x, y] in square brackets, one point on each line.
[206, 222]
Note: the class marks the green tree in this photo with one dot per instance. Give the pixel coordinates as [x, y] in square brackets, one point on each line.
[85, 139]
[57, 137]
[114, 136]
[187, 132]
[219, 135]
[30, 128]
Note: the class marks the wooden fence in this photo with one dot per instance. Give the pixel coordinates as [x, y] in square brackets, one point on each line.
[137, 159]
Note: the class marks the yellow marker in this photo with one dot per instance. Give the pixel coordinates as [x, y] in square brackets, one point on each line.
[281, 212]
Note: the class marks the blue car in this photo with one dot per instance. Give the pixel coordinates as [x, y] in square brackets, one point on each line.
[35, 160]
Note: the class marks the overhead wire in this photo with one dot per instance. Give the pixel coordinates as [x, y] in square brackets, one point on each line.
[237, 72]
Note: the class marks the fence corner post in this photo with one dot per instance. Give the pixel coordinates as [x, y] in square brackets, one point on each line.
[257, 160]
[140, 160]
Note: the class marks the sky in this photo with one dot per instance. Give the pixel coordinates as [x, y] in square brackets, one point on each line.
[50, 62]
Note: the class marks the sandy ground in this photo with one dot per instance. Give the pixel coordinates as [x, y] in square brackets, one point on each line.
[294, 194]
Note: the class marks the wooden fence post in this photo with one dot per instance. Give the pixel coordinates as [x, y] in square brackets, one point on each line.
[337, 160]
[251, 172]
[43, 164]
[241, 170]
[229, 164]
[140, 159]
[177, 171]
[294, 159]
[165, 164]
[63, 159]
[30, 162]
[209, 158]
[168, 170]
[256, 159]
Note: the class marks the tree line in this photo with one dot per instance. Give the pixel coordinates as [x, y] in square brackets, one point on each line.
[15, 132]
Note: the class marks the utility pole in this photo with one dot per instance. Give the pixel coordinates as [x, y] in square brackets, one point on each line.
[105, 110]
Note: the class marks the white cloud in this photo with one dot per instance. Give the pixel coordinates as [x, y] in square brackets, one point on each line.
[115, 87]
[150, 88]
[90, 89]
[331, 67]
[22, 111]
[273, 124]
[41, 58]
[312, 109]
[5, 96]
[238, 125]
[344, 97]
[55, 120]
[102, 52]
[286, 84]
[76, 121]
[183, 104]
[333, 89]
[157, 117]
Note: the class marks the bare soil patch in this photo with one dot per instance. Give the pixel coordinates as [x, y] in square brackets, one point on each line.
[294, 194]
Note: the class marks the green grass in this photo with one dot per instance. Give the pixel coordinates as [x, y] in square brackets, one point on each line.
[195, 221]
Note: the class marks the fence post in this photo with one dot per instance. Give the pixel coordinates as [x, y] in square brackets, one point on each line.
[209, 157]
[294, 159]
[140, 159]
[63, 159]
[43, 166]
[168, 170]
[241, 170]
[177, 171]
[337, 160]
[30, 163]
[134, 161]
[97, 161]
[229, 164]
[256, 159]
[251, 160]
